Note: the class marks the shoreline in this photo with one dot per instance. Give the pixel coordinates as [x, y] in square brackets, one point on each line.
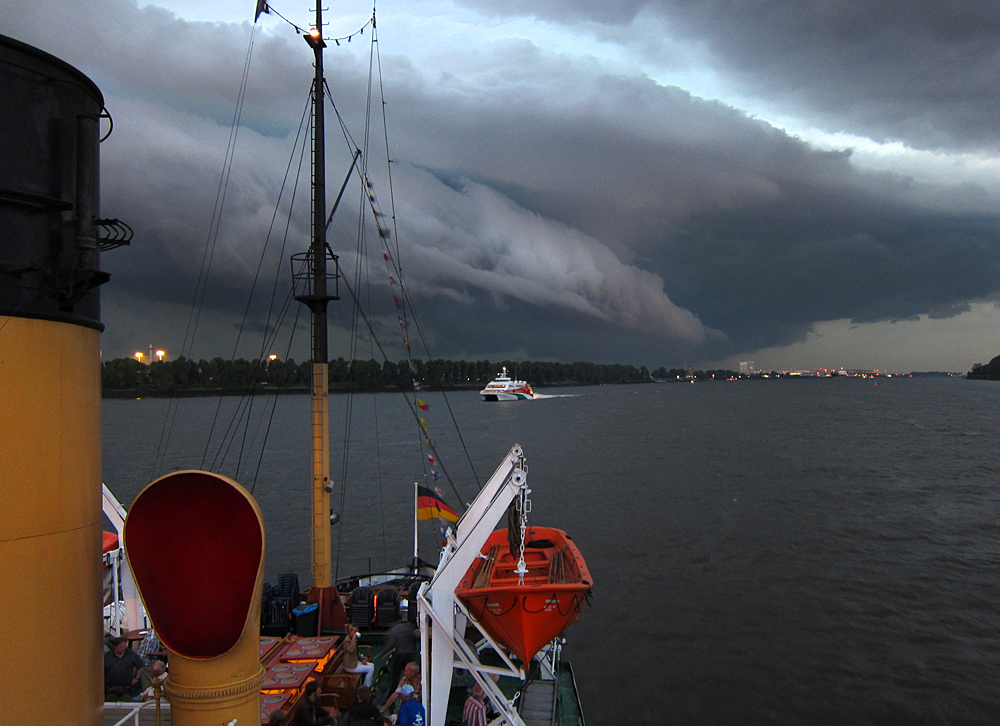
[276, 391]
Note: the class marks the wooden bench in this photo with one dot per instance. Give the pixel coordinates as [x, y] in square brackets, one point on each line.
[341, 683]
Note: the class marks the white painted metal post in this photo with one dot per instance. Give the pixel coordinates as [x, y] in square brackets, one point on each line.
[436, 600]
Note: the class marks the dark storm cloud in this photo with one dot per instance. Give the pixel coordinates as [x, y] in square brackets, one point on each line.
[753, 231]
[544, 204]
[922, 72]
[802, 259]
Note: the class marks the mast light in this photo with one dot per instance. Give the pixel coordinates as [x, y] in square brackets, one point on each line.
[314, 39]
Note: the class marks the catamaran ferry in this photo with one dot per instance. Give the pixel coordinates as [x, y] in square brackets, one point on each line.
[502, 388]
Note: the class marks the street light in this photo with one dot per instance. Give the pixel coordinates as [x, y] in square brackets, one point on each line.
[272, 357]
[138, 355]
[160, 354]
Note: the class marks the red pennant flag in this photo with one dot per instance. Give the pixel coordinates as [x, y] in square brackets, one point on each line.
[431, 459]
[423, 407]
[385, 256]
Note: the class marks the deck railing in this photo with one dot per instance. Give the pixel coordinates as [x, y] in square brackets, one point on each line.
[131, 718]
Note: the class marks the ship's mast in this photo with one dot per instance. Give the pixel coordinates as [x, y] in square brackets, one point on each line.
[317, 300]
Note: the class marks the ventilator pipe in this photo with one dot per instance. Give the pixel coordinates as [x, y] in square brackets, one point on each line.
[195, 543]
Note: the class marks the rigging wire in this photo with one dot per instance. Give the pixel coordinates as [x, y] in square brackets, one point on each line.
[413, 314]
[365, 157]
[288, 299]
[265, 343]
[302, 135]
[414, 411]
[372, 56]
[300, 30]
[398, 270]
[270, 420]
[244, 407]
[349, 404]
[360, 170]
[201, 285]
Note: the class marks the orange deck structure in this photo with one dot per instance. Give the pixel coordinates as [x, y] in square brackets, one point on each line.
[289, 663]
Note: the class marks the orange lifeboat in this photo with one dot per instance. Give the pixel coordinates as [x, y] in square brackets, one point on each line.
[110, 542]
[524, 614]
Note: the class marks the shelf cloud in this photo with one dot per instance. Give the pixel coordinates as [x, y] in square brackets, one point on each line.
[567, 206]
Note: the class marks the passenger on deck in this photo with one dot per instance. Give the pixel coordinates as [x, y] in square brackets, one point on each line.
[151, 651]
[403, 638]
[474, 712]
[158, 673]
[351, 663]
[150, 647]
[411, 713]
[411, 678]
[308, 711]
[364, 712]
[122, 667]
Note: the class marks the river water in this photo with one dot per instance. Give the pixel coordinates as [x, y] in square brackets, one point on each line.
[764, 552]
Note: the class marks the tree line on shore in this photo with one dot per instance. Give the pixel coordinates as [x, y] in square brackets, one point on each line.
[988, 372]
[220, 375]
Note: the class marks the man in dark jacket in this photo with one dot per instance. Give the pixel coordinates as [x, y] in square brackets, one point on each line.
[308, 711]
[122, 667]
[364, 712]
[403, 638]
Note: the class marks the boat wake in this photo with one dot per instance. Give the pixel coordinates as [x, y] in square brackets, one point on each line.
[556, 395]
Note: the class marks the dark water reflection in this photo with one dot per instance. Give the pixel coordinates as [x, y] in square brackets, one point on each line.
[786, 552]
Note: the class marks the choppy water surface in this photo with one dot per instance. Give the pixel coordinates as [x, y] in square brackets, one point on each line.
[786, 552]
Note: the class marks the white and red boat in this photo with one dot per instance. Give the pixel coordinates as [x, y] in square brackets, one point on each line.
[504, 388]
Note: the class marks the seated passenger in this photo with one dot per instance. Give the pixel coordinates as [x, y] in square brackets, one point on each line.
[474, 712]
[122, 667]
[351, 663]
[308, 711]
[158, 673]
[411, 678]
[364, 712]
[411, 713]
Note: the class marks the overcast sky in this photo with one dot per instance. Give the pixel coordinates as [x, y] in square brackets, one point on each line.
[658, 183]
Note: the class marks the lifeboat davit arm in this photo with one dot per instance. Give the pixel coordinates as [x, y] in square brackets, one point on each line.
[133, 617]
[443, 645]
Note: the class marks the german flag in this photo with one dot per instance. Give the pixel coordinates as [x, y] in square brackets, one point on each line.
[431, 506]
